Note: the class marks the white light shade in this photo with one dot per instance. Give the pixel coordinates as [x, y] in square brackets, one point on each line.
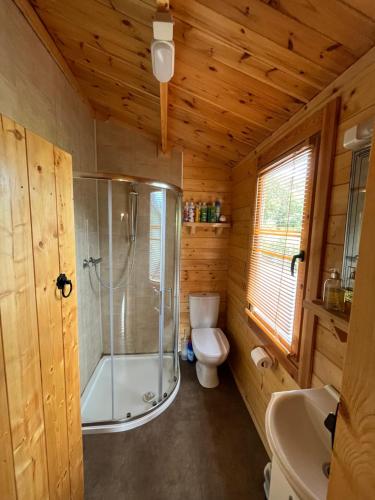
[162, 56]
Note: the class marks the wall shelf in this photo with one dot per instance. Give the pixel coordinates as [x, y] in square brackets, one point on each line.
[338, 320]
[215, 226]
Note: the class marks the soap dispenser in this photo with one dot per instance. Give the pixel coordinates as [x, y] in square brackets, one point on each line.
[333, 293]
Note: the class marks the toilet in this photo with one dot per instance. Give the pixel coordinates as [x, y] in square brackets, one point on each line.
[210, 345]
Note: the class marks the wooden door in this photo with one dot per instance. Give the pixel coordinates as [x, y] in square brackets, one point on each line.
[40, 428]
[352, 471]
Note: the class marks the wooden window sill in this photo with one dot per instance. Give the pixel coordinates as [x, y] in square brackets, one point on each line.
[275, 348]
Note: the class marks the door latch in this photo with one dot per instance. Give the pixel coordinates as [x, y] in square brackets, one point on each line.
[61, 282]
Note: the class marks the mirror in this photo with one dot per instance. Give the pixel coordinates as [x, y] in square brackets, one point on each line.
[357, 193]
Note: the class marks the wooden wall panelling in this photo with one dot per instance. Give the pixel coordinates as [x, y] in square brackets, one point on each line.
[352, 475]
[67, 264]
[328, 362]
[7, 479]
[255, 386]
[41, 168]
[322, 197]
[17, 300]
[204, 255]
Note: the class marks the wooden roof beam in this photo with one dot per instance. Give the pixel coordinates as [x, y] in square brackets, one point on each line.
[163, 6]
[164, 116]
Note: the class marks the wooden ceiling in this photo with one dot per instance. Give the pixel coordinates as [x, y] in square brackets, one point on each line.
[242, 69]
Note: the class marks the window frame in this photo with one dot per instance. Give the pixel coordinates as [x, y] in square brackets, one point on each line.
[288, 357]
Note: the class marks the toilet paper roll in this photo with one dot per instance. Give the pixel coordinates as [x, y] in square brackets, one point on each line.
[260, 358]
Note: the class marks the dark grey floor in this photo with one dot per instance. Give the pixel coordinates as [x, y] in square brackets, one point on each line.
[203, 447]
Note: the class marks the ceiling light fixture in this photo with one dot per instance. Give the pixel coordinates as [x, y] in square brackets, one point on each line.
[162, 47]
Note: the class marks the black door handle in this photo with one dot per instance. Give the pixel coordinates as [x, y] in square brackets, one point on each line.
[61, 282]
[300, 256]
[330, 423]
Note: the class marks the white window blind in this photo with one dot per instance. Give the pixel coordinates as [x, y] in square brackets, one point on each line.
[278, 228]
[156, 200]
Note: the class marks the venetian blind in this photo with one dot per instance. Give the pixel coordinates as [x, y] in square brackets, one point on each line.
[278, 227]
[156, 200]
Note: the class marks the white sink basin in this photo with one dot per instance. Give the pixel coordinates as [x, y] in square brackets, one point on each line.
[298, 438]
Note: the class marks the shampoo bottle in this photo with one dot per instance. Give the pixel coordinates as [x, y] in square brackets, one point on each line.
[197, 212]
[204, 212]
[217, 210]
[191, 211]
[186, 212]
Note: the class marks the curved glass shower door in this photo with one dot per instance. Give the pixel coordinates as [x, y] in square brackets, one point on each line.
[132, 271]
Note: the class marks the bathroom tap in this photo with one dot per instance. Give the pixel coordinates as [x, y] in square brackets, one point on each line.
[91, 262]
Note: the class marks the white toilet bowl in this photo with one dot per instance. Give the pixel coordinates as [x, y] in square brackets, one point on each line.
[211, 347]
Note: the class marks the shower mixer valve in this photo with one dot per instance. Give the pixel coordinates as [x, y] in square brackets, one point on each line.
[91, 262]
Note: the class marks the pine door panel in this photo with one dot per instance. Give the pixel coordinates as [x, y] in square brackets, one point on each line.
[19, 319]
[41, 168]
[65, 217]
[40, 425]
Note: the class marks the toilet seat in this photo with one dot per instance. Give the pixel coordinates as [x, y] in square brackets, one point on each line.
[210, 344]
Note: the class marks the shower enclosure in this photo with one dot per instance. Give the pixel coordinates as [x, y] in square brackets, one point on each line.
[127, 244]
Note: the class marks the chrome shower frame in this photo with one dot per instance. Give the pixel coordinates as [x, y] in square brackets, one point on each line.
[162, 402]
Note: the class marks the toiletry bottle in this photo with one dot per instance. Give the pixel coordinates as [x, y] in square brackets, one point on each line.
[333, 293]
[190, 352]
[217, 210]
[186, 211]
[204, 212]
[209, 211]
[213, 212]
[184, 350]
[191, 211]
[197, 212]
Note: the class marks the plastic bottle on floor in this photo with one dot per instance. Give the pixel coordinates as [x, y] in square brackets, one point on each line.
[190, 352]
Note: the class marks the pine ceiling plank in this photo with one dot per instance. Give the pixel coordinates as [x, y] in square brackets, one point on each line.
[184, 135]
[333, 19]
[147, 118]
[122, 89]
[105, 112]
[221, 122]
[115, 68]
[216, 138]
[200, 121]
[93, 57]
[108, 109]
[131, 50]
[151, 113]
[270, 97]
[365, 7]
[235, 34]
[285, 31]
[209, 89]
[242, 103]
[96, 16]
[236, 124]
[215, 50]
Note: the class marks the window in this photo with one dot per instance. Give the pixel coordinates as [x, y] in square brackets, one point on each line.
[280, 232]
[156, 200]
